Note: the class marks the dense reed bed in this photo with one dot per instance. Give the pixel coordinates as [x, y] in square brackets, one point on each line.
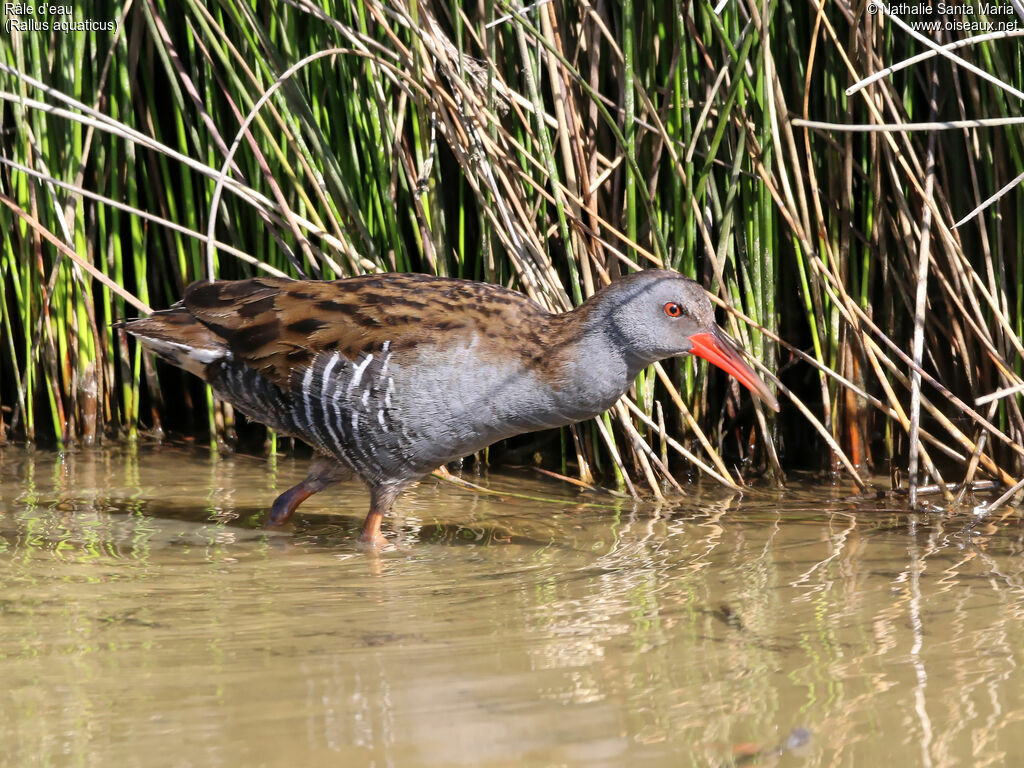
[548, 150]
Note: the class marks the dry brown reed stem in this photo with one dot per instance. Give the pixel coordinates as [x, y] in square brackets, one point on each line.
[691, 423]
[570, 144]
[972, 466]
[659, 429]
[920, 298]
[642, 453]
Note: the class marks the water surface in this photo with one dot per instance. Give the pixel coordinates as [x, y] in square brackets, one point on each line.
[147, 620]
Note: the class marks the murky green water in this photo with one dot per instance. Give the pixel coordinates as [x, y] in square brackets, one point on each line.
[146, 620]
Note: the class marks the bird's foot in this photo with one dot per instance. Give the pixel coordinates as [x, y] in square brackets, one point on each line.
[376, 543]
[286, 504]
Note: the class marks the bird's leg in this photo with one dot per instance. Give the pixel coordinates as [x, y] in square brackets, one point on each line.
[324, 471]
[381, 499]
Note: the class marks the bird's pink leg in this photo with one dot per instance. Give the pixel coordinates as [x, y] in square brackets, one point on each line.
[381, 499]
[371, 529]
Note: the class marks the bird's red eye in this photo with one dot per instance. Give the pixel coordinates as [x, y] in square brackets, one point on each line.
[673, 310]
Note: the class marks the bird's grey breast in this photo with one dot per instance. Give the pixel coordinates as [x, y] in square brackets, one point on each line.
[468, 395]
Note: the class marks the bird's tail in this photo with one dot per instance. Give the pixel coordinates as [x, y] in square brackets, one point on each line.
[178, 338]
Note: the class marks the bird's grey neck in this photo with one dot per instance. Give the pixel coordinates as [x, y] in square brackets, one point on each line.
[599, 369]
[605, 338]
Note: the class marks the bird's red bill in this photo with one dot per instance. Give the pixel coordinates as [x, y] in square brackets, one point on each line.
[716, 350]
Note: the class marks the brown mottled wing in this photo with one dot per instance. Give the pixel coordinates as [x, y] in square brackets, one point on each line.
[277, 326]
